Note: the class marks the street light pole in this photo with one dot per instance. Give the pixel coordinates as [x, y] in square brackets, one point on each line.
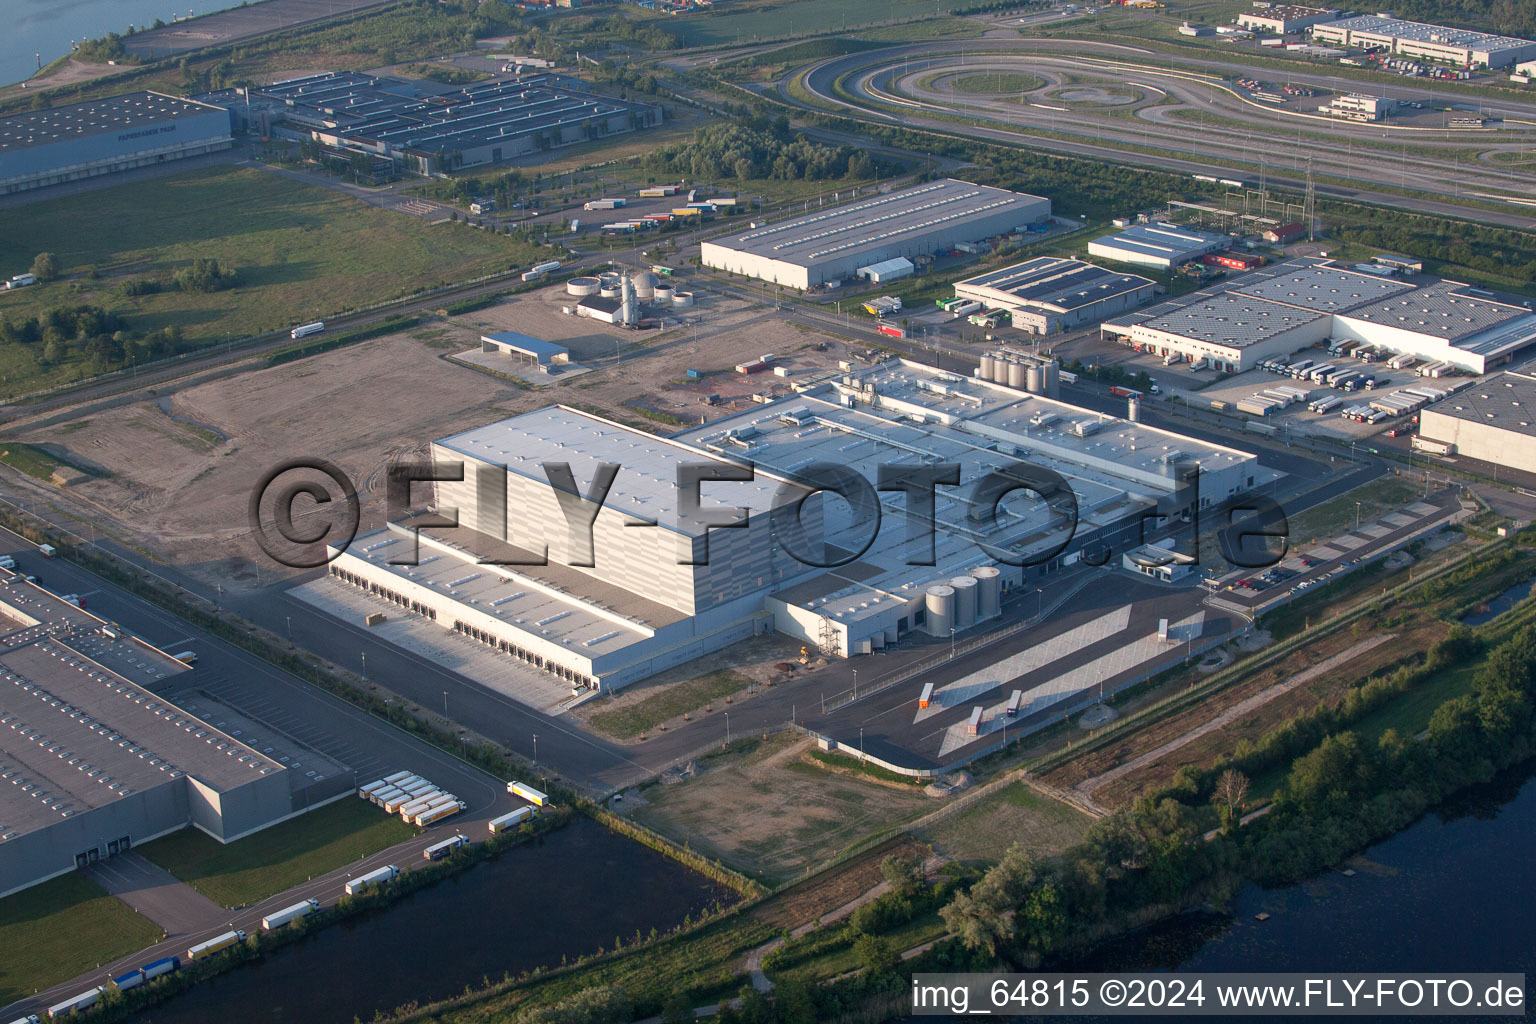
[364, 656]
[951, 642]
[445, 703]
[727, 728]
[535, 748]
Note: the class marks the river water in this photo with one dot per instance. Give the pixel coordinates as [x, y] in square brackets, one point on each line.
[42, 30]
[1454, 892]
[562, 895]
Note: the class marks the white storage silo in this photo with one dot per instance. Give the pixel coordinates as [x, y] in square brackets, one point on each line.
[941, 609]
[1052, 380]
[1133, 409]
[989, 591]
[965, 601]
[1000, 364]
[663, 294]
[1034, 379]
[682, 300]
[1016, 375]
[984, 371]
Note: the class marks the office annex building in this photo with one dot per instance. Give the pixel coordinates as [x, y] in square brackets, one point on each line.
[664, 582]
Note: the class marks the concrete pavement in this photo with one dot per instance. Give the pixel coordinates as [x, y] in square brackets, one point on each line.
[157, 894]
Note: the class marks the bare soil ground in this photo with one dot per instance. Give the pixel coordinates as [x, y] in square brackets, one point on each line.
[774, 813]
[174, 470]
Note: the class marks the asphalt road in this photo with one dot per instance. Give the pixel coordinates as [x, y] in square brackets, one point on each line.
[820, 79]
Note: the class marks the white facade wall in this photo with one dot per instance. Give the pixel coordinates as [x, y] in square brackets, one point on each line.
[1398, 340]
[1232, 358]
[1481, 441]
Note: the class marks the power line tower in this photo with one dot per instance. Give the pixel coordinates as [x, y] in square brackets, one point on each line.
[1309, 208]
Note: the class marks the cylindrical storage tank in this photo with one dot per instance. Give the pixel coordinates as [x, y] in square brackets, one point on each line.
[1052, 380]
[610, 292]
[1133, 409]
[583, 286]
[984, 371]
[663, 293]
[645, 285]
[608, 280]
[941, 609]
[989, 591]
[1016, 375]
[965, 600]
[1000, 370]
[1034, 379]
[682, 299]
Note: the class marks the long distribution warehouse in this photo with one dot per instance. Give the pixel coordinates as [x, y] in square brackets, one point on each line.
[1047, 294]
[834, 245]
[83, 140]
[1433, 42]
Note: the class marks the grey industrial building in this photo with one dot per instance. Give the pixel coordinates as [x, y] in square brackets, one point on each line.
[1047, 294]
[83, 140]
[1157, 245]
[1284, 19]
[1432, 42]
[425, 127]
[95, 759]
[661, 585]
[834, 245]
[1494, 421]
[1289, 306]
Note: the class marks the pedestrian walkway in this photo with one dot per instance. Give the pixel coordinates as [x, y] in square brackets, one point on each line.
[155, 893]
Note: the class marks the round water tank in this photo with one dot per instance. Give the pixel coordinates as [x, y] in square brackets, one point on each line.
[940, 601]
[610, 292]
[664, 293]
[965, 600]
[645, 285]
[1016, 374]
[1052, 380]
[1034, 379]
[609, 280]
[682, 299]
[583, 286]
[985, 370]
[989, 591]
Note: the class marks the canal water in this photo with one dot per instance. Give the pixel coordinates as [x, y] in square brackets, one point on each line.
[1501, 604]
[562, 895]
[40, 31]
[1454, 892]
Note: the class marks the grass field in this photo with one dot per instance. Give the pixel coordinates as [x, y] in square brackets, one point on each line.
[251, 869]
[768, 811]
[996, 84]
[30, 460]
[302, 252]
[1339, 515]
[1014, 814]
[749, 22]
[630, 720]
[61, 928]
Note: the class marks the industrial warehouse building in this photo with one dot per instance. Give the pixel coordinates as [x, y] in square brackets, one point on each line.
[1047, 294]
[1494, 420]
[1284, 19]
[83, 140]
[429, 128]
[96, 760]
[1431, 42]
[661, 585]
[1164, 246]
[838, 244]
[1289, 306]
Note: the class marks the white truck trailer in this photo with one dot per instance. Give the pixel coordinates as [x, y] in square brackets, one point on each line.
[387, 873]
[287, 914]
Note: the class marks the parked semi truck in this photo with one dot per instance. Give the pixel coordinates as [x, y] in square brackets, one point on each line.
[438, 812]
[70, 1007]
[388, 873]
[287, 914]
[512, 820]
[438, 851]
[528, 793]
[215, 944]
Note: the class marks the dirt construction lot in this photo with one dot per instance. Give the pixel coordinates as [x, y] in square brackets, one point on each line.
[773, 812]
[171, 472]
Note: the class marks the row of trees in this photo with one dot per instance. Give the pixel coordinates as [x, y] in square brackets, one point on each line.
[1498, 252]
[758, 148]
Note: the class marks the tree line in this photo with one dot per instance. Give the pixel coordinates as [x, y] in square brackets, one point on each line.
[758, 147]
